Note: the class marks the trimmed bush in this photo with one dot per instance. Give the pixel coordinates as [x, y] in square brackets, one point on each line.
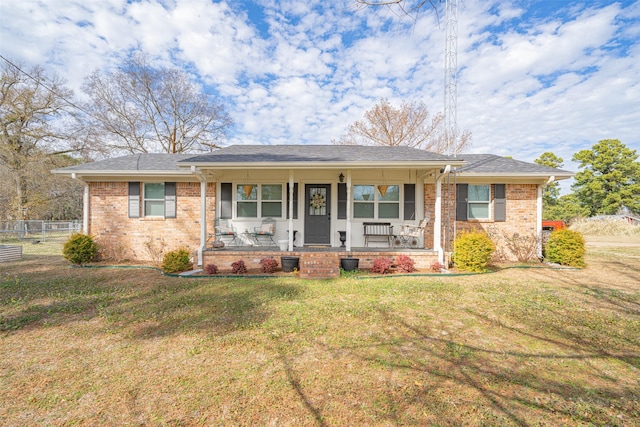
[239, 267]
[405, 264]
[473, 251]
[211, 269]
[177, 261]
[80, 248]
[268, 265]
[565, 247]
[382, 265]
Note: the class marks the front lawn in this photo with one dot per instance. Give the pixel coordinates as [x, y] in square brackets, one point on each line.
[123, 346]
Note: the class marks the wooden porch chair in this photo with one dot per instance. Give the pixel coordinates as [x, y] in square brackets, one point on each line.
[410, 235]
[266, 232]
[226, 232]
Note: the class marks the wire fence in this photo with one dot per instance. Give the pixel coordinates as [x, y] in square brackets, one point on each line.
[37, 231]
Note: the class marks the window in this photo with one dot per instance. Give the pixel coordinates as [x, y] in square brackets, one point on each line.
[271, 200]
[389, 204]
[369, 203]
[254, 201]
[473, 202]
[154, 199]
[158, 199]
[247, 200]
[479, 200]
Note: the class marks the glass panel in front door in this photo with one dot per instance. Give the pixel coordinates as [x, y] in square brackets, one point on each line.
[317, 201]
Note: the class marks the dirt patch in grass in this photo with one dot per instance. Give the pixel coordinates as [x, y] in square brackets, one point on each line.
[522, 346]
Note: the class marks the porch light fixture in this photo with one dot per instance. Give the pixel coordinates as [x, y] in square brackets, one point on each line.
[246, 187]
[382, 186]
[341, 177]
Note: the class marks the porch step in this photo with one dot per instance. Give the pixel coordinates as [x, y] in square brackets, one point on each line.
[319, 265]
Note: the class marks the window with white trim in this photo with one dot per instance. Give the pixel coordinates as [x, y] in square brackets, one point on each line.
[479, 201]
[153, 199]
[259, 200]
[368, 202]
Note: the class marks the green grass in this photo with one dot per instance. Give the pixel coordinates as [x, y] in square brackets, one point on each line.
[524, 346]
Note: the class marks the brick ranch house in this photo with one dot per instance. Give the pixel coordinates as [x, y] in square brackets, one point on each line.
[324, 193]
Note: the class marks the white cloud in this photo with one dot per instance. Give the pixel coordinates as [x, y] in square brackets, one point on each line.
[530, 80]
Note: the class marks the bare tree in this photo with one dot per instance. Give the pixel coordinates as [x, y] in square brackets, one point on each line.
[409, 125]
[141, 108]
[36, 121]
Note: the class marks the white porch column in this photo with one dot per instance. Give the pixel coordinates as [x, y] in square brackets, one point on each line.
[437, 223]
[203, 214]
[348, 242]
[290, 210]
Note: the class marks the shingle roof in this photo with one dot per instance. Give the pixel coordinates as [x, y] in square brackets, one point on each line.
[490, 164]
[134, 162]
[315, 154]
[477, 164]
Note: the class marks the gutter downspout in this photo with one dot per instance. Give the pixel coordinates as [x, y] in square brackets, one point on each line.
[85, 203]
[539, 204]
[437, 224]
[203, 213]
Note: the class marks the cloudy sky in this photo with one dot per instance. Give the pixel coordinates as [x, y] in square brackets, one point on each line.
[534, 75]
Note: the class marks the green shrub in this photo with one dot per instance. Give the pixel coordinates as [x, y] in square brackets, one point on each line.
[176, 261]
[565, 247]
[473, 251]
[80, 248]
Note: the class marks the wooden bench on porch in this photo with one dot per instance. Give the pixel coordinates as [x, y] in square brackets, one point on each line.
[382, 231]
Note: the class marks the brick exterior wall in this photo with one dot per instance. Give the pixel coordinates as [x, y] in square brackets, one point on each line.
[143, 239]
[521, 216]
[315, 265]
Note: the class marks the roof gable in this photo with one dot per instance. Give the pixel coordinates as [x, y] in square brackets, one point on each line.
[491, 165]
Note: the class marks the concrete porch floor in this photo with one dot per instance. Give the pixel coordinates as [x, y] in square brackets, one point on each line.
[316, 262]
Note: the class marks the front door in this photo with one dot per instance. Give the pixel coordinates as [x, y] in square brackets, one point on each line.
[317, 217]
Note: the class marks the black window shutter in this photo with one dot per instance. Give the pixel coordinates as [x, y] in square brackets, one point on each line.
[500, 203]
[226, 200]
[342, 200]
[462, 194]
[169, 199]
[409, 202]
[134, 200]
[295, 201]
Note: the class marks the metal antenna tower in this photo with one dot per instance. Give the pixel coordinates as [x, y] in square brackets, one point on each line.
[450, 117]
[451, 76]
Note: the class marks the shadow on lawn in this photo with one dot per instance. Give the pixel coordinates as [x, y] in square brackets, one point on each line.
[161, 306]
[518, 386]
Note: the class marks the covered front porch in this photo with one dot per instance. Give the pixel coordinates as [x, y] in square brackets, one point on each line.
[315, 262]
[342, 197]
